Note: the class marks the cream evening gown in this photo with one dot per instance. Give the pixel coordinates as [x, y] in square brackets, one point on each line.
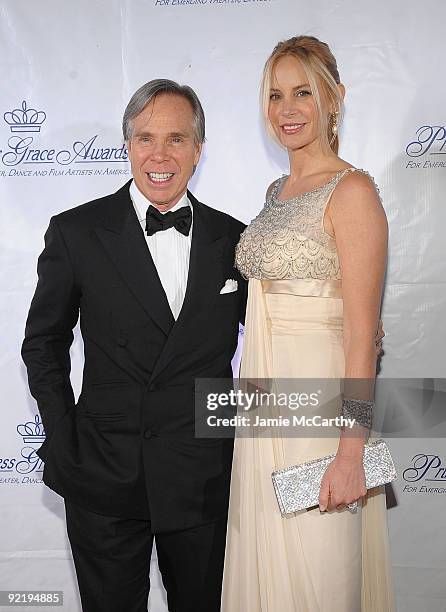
[310, 562]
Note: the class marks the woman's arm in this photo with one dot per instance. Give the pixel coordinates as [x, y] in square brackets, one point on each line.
[360, 227]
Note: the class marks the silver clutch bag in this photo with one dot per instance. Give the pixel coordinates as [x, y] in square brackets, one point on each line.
[297, 487]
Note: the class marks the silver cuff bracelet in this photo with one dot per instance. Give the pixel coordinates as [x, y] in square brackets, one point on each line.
[360, 410]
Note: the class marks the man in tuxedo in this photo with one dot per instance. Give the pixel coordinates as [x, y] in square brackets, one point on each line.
[144, 268]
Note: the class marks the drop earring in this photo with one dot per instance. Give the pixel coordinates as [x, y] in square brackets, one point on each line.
[335, 122]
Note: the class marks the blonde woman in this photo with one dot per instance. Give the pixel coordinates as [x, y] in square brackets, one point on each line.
[315, 259]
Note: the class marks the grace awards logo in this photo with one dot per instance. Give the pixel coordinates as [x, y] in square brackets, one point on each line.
[27, 153]
[425, 475]
[26, 467]
[428, 147]
[25, 119]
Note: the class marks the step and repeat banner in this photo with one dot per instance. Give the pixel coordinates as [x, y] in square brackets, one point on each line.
[67, 71]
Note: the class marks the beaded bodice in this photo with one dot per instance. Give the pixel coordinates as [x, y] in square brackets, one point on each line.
[287, 239]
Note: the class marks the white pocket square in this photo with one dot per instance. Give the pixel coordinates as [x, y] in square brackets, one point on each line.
[229, 286]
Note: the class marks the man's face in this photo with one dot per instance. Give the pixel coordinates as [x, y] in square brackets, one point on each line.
[163, 150]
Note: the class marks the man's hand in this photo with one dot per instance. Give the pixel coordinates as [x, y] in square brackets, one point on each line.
[379, 338]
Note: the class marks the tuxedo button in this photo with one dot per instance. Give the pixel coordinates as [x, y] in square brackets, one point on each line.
[122, 341]
[147, 434]
[153, 387]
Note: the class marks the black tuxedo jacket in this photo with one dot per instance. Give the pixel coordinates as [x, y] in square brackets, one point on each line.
[127, 447]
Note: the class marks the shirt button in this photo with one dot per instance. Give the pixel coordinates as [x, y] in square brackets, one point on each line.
[122, 341]
[147, 434]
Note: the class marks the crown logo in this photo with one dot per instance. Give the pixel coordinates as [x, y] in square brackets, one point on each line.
[25, 119]
[32, 432]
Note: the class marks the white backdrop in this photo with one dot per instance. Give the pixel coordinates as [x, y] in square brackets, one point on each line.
[67, 71]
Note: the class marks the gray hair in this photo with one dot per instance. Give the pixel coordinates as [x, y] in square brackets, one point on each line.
[145, 94]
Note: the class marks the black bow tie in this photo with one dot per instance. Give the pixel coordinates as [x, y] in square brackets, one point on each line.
[181, 220]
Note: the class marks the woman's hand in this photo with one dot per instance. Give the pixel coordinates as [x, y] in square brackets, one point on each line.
[343, 483]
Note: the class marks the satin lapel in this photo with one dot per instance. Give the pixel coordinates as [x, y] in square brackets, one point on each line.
[204, 278]
[122, 237]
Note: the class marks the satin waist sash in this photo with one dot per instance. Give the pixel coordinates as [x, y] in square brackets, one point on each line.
[315, 287]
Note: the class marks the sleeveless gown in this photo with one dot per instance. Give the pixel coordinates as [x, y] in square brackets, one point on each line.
[311, 561]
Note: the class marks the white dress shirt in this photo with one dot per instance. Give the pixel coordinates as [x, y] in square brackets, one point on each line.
[170, 250]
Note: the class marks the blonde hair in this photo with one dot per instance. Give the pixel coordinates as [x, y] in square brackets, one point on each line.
[323, 77]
